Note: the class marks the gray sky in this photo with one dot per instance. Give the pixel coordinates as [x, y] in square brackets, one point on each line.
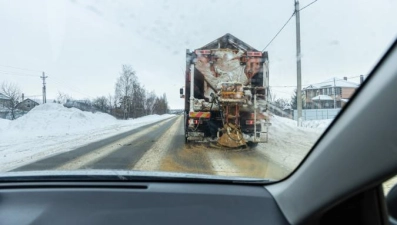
[81, 45]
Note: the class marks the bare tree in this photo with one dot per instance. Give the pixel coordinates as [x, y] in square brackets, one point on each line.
[13, 94]
[149, 102]
[110, 102]
[62, 98]
[161, 105]
[138, 100]
[101, 104]
[124, 89]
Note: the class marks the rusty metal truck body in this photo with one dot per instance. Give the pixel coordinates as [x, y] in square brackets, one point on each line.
[225, 93]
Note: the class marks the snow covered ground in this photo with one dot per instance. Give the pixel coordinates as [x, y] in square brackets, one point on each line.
[320, 124]
[289, 144]
[51, 129]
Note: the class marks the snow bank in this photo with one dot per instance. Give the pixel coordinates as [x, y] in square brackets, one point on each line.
[55, 119]
[289, 144]
[3, 124]
[51, 129]
[322, 124]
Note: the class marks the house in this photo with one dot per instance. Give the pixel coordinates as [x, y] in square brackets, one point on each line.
[26, 105]
[325, 94]
[4, 101]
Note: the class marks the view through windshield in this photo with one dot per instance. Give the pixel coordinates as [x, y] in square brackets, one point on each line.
[221, 88]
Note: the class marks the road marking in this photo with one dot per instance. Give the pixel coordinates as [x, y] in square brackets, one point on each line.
[106, 150]
[152, 159]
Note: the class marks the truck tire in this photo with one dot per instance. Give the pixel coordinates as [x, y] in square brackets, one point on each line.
[252, 144]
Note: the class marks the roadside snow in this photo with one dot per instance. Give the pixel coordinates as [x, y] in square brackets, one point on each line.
[3, 124]
[289, 144]
[54, 119]
[52, 129]
[322, 124]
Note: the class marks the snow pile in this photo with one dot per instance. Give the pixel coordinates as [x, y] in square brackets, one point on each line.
[317, 123]
[51, 129]
[289, 144]
[55, 119]
[3, 124]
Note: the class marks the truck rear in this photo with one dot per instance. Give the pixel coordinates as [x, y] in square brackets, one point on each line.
[226, 89]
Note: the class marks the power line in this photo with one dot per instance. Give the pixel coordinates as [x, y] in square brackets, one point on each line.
[280, 91]
[285, 24]
[18, 74]
[19, 68]
[31, 96]
[290, 86]
[71, 88]
[308, 5]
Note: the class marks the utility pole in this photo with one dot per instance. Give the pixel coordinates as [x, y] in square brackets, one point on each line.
[44, 88]
[298, 62]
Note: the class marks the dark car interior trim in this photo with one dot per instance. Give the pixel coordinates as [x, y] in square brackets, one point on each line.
[358, 152]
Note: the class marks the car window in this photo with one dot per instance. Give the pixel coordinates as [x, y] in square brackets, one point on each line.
[221, 89]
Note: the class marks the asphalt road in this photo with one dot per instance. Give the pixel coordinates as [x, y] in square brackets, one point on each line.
[161, 147]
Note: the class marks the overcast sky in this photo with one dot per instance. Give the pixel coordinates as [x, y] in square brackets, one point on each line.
[81, 45]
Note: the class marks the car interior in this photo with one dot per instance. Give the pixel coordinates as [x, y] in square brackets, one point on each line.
[338, 182]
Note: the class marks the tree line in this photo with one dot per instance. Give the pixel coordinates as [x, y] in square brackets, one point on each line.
[283, 106]
[130, 99]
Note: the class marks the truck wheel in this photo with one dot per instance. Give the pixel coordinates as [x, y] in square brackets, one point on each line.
[252, 144]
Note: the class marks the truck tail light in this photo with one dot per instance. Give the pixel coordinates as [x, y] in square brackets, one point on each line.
[249, 122]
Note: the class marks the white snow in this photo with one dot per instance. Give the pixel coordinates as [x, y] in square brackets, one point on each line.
[52, 129]
[322, 97]
[321, 124]
[3, 124]
[337, 82]
[288, 144]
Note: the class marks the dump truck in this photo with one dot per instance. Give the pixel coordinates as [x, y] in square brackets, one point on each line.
[226, 94]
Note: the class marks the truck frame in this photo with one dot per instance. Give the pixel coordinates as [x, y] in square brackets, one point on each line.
[226, 94]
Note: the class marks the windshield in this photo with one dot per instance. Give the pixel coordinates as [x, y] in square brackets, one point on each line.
[221, 89]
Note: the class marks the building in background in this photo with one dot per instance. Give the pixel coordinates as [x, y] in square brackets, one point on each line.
[26, 105]
[4, 103]
[329, 94]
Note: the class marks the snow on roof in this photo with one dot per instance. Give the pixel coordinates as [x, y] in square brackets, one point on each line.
[226, 41]
[344, 100]
[330, 83]
[322, 97]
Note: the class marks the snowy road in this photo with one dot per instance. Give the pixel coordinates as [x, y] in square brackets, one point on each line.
[161, 147]
[51, 137]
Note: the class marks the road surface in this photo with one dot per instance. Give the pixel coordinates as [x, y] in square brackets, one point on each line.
[161, 147]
